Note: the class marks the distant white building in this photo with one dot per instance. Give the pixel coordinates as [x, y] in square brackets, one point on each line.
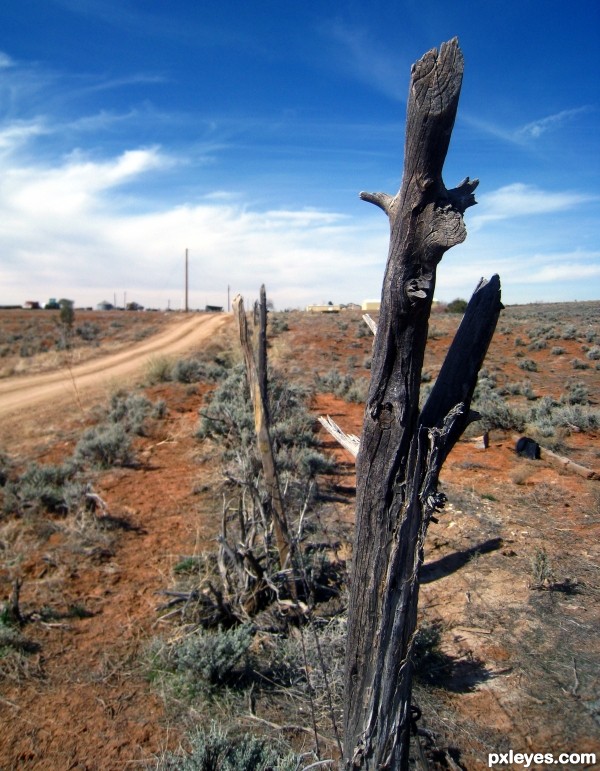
[330, 308]
[371, 305]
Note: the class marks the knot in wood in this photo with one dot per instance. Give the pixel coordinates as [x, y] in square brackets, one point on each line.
[417, 289]
[385, 416]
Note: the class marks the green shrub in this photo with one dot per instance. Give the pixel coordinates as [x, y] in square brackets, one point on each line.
[497, 413]
[158, 370]
[188, 371]
[537, 345]
[594, 353]
[577, 393]
[344, 386]
[528, 365]
[358, 391]
[49, 489]
[214, 658]
[130, 411]
[548, 415]
[5, 466]
[574, 415]
[578, 364]
[229, 419]
[214, 750]
[426, 654]
[541, 570]
[88, 331]
[457, 306]
[105, 446]
[277, 323]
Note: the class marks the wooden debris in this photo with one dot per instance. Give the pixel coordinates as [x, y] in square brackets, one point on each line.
[568, 464]
[349, 442]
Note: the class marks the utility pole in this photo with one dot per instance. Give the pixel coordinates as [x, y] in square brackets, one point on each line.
[228, 303]
[186, 281]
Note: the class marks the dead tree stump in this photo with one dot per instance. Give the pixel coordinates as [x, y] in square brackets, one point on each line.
[402, 449]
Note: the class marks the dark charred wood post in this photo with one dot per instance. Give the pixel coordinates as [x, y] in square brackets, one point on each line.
[402, 450]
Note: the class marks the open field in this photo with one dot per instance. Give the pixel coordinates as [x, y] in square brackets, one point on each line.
[510, 597]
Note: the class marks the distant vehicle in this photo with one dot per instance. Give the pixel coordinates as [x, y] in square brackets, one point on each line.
[214, 309]
[32, 305]
[52, 305]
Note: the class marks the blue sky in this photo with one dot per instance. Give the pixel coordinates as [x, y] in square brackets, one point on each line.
[131, 130]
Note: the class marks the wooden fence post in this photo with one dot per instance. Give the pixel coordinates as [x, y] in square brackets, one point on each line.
[402, 450]
[263, 438]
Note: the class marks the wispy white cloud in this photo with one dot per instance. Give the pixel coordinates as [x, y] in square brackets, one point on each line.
[521, 200]
[5, 60]
[536, 128]
[74, 187]
[369, 61]
[524, 135]
[17, 133]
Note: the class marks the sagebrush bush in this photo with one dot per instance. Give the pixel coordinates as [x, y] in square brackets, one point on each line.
[593, 353]
[577, 393]
[88, 331]
[44, 489]
[578, 364]
[277, 323]
[105, 446]
[571, 412]
[213, 658]
[528, 365]
[229, 419]
[215, 750]
[345, 386]
[194, 370]
[496, 412]
[130, 411]
[5, 466]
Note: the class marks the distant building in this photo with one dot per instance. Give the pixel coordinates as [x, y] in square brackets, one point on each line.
[371, 305]
[214, 309]
[134, 307]
[104, 306]
[329, 308]
[32, 305]
[52, 304]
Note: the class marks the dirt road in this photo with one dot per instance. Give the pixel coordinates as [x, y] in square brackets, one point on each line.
[68, 385]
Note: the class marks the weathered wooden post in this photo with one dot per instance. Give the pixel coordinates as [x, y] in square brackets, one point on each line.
[402, 450]
[263, 437]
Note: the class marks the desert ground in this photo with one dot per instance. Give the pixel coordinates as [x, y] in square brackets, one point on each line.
[510, 588]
